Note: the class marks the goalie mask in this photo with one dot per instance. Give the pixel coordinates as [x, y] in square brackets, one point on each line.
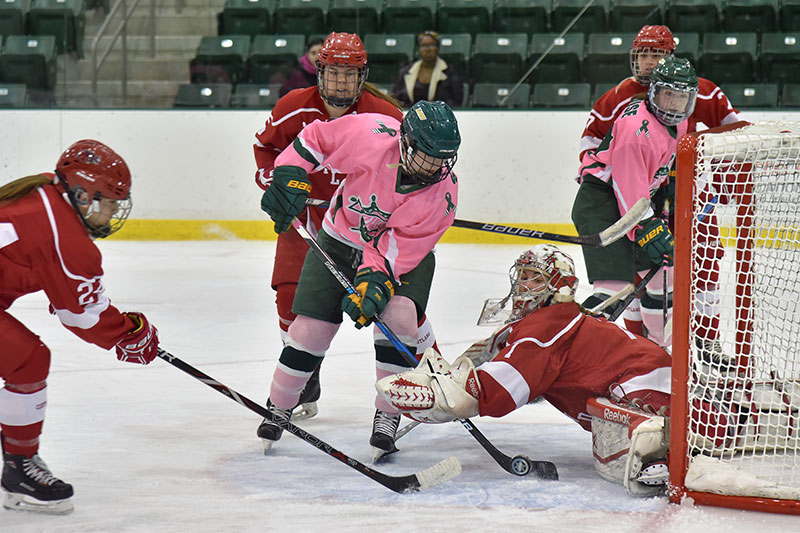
[429, 142]
[341, 69]
[97, 183]
[673, 90]
[649, 46]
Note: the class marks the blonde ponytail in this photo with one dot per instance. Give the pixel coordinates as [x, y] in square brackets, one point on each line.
[13, 191]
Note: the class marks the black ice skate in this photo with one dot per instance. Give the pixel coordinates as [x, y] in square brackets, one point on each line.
[32, 487]
[269, 431]
[711, 354]
[384, 428]
[307, 404]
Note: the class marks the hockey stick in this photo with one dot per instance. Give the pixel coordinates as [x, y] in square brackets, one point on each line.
[638, 289]
[519, 465]
[609, 235]
[424, 479]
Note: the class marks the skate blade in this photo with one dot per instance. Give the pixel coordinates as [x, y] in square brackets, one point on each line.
[380, 455]
[21, 502]
[305, 411]
[267, 445]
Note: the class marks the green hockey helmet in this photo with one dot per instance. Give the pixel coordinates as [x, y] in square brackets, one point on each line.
[673, 90]
[429, 141]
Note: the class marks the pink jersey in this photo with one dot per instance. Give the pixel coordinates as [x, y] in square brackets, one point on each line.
[637, 155]
[554, 352]
[44, 246]
[712, 109]
[395, 225]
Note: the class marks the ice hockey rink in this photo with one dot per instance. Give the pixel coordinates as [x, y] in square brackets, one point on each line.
[153, 449]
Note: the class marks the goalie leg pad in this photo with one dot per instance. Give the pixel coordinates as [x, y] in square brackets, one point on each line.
[626, 441]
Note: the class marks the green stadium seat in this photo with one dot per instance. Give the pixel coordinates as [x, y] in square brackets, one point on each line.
[498, 58]
[599, 89]
[752, 95]
[790, 15]
[255, 95]
[698, 16]
[608, 57]
[456, 50]
[465, 16]
[273, 57]
[522, 16]
[630, 15]
[203, 95]
[790, 95]
[220, 59]
[562, 95]
[64, 19]
[780, 57]
[491, 94]
[355, 16]
[750, 15]
[594, 19]
[386, 54]
[13, 95]
[562, 63]
[687, 45]
[246, 17]
[728, 57]
[12, 17]
[29, 59]
[408, 16]
[301, 16]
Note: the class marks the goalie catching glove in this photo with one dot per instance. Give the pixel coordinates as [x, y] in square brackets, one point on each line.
[286, 197]
[374, 290]
[435, 391]
[654, 237]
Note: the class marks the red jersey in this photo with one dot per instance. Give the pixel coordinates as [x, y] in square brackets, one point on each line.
[567, 357]
[45, 246]
[712, 109]
[290, 115]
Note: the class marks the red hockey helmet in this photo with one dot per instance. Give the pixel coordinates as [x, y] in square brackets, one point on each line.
[653, 42]
[341, 69]
[90, 172]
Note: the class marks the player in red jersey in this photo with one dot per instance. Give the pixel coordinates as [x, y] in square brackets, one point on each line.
[47, 223]
[552, 347]
[341, 89]
[712, 108]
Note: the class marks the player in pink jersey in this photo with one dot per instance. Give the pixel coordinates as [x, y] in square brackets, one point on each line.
[399, 197]
[712, 109]
[634, 162]
[610, 381]
[47, 223]
[341, 90]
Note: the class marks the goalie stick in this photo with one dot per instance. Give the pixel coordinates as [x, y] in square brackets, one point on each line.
[519, 465]
[424, 479]
[609, 235]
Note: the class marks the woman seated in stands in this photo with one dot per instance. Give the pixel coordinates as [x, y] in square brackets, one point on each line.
[428, 78]
[305, 75]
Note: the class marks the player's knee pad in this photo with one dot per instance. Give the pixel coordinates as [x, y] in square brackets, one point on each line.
[400, 316]
[30, 372]
[284, 297]
[311, 335]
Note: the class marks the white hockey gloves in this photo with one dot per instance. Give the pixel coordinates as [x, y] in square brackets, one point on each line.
[435, 391]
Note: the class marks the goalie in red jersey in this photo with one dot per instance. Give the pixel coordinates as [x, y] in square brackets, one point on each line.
[47, 223]
[342, 89]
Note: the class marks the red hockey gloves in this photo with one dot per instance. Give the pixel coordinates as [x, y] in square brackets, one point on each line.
[654, 238]
[140, 345]
[286, 197]
[374, 291]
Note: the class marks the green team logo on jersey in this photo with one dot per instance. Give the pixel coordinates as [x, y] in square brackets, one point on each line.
[384, 129]
[450, 205]
[370, 211]
[643, 129]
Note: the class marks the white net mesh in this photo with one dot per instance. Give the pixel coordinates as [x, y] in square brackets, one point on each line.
[744, 315]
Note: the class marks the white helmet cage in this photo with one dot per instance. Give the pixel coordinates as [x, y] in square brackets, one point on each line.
[558, 285]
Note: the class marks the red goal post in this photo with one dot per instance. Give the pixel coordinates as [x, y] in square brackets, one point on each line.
[735, 425]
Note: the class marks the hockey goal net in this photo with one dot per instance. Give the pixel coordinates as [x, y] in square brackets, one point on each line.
[735, 420]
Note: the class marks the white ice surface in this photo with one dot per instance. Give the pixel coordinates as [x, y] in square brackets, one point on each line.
[153, 449]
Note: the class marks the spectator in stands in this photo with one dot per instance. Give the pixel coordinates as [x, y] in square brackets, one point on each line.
[428, 78]
[306, 74]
